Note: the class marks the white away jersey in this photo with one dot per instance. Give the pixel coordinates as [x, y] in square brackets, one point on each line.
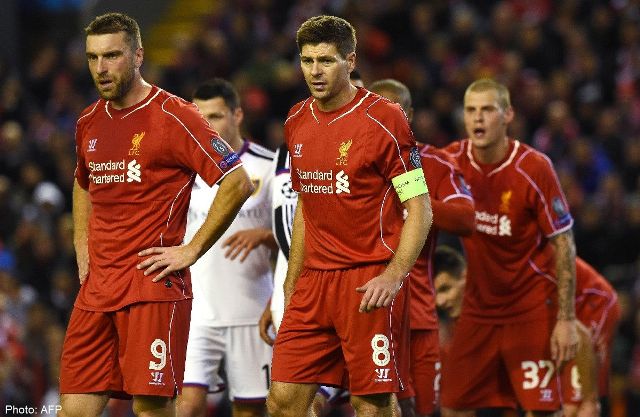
[226, 292]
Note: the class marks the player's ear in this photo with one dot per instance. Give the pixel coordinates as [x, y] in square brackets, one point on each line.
[238, 115]
[139, 57]
[351, 61]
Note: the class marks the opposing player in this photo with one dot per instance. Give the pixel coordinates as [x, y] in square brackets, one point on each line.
[233, 280]
[343, 291]
[517, 323]
[138, 151]
[452, 207]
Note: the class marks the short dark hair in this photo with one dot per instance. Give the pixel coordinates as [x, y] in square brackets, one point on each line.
[446, 259]
[114, 23]
[328, 29]
[218, 87]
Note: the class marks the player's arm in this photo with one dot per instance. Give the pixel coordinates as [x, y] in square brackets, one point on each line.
[265, 323]
[455, 216]
[81, 213]
[233, 191]
[296, 254]
[564, 339]
[381, 290]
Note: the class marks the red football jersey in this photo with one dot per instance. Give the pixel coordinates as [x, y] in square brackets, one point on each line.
[519, 205]
[590, 282]
[445, 184]
[342, 163]
[138, 165]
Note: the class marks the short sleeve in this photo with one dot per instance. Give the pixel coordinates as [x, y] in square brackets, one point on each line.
[81, 173]
[552, 210]
[194, 144]
[397, 152]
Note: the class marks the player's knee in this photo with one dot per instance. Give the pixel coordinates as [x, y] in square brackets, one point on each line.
[370, 405]
[255, 409]
[148, 406]
[82, 405]
[189, 408]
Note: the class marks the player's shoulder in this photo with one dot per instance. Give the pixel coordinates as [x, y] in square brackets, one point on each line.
[298, 110]
[259, 152]
[381, 107]
[530, 159]
[172, 104]
[438, 157]
[457, 148]
[90, 111]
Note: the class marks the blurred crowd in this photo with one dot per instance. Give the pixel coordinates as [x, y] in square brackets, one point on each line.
[573, 68]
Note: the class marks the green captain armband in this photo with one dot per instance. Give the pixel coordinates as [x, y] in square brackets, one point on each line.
[410, 184]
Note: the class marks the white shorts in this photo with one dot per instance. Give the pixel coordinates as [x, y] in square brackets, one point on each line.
[277, 298]
[247, 360]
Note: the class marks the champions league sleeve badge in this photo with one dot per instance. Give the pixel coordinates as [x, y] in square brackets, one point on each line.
[219, 146]
[414, 157]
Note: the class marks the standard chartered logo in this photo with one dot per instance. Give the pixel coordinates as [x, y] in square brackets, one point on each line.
[323, 182]
[342, 183]
[110, 172]
[133, 173]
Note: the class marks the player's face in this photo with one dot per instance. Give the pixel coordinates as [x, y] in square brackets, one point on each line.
[484, 120]
[327, 74]
[112, 64]
[221, 118]
[449, 292]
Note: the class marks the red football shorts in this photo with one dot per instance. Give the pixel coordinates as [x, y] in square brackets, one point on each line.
[425, 370]
[138, 350]
[600, 313]
[491, 365]
[323, 339]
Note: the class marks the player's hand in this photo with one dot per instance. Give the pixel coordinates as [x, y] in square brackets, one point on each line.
[169, 259]
[265, 322]
[243, 242]
[378, 292]
[82, 258]
[564, 341]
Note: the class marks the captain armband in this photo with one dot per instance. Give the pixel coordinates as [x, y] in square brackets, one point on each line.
[410, 184]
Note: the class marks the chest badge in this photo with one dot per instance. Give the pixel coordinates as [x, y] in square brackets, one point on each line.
[135, 143]
[343, 150]
[505, 199]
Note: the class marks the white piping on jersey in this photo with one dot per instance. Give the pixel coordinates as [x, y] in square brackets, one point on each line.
[540, 272]
[173, 374]
[313, 113]
[391, 326]
[380, 222]
[544, 201]
[387, 130]
[452, 172]
[506, 163]
[352, 108]
[106, 109]
[143, 105]
[191, 134]
[297, 111]
[146, 103]
[190, 181]
[603, 318]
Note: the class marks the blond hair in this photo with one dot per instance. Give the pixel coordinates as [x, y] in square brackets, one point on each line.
[488, 84]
